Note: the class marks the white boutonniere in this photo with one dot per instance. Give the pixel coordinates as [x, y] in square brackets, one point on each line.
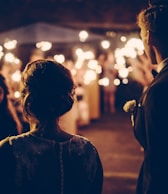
[130, 107]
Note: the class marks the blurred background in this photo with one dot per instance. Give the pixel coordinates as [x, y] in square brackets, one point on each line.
[98, 40]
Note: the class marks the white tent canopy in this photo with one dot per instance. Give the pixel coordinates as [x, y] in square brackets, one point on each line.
[44, 32]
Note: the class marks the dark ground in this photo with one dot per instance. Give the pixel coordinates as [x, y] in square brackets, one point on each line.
[120, 153]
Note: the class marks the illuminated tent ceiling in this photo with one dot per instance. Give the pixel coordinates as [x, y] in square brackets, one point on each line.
[44, 32]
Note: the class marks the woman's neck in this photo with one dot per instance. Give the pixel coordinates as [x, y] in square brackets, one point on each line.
[50, 130]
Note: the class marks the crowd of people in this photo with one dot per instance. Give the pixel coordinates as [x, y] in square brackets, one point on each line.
[46, 159]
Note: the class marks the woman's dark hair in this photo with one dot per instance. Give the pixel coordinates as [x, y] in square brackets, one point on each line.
[46, 89]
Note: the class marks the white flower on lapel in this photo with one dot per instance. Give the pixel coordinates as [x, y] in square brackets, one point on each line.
[129, 106]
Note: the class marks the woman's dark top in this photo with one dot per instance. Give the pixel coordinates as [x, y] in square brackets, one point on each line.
[33, 164]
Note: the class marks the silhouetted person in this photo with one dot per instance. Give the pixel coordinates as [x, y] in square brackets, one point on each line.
[150, 113]
[48, 160]
[107, 61]
[8, 124]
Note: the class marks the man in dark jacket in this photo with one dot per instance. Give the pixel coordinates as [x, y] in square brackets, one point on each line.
[150, 113]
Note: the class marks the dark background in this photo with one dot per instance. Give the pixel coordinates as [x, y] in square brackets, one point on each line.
[99, 16]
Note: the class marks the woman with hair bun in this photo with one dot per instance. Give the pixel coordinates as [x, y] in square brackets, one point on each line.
[48, 160]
